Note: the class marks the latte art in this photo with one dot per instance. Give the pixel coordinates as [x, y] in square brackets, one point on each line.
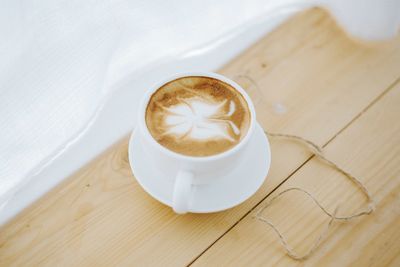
[197, 116]
[201, 120]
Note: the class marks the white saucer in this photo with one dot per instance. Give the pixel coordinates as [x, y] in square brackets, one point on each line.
[222, 194]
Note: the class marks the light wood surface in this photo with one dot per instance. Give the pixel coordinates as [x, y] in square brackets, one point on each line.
[336, 93]
[372, 152]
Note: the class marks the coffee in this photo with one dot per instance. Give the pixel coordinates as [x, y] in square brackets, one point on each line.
[197, 116]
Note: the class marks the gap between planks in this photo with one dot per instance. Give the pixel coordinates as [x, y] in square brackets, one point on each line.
[367, 107]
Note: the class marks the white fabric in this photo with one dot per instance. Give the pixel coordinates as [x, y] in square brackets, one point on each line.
[59, 59]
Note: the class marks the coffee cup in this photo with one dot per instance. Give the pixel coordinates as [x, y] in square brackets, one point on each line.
[211, 146]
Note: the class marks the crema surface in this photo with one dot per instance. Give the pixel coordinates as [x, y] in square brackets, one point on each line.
[197, 116]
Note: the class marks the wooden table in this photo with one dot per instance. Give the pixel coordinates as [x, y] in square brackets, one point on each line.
[341, 94]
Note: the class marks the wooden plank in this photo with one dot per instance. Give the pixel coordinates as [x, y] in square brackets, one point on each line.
[369, 149]
[100, 215]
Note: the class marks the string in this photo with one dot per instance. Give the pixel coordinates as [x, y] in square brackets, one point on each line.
[317, 151]
[289, 250]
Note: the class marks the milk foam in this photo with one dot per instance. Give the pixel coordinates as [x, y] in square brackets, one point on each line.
[200, 119]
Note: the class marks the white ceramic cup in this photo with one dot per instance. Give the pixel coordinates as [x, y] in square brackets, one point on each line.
[188, 171]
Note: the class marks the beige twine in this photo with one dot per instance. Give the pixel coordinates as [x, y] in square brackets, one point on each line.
[319, 153]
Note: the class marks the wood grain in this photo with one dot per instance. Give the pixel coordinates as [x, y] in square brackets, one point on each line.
[100, 215]
[370, 149]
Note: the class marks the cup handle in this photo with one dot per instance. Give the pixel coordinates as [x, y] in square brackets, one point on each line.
[182, 191]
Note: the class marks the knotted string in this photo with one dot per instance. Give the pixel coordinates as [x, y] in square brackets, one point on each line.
[317, 151]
